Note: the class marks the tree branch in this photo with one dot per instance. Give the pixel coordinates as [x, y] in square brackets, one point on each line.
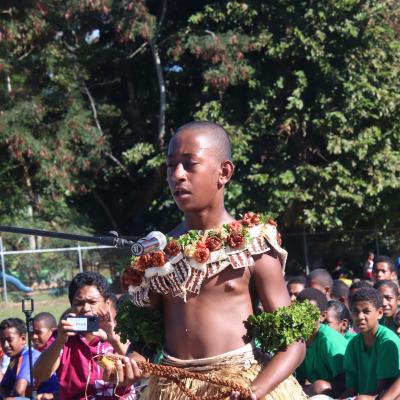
[106, 209]
[93, 106]
[120, 165]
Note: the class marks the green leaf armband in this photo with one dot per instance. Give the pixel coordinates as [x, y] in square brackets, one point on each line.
[140, 324]
[277, 330]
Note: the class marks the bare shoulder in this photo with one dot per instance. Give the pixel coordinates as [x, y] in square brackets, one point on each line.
[269, 281]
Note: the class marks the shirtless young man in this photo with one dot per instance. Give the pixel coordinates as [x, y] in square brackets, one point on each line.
[211, 323]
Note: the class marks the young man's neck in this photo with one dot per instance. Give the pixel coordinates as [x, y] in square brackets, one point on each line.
[369, 337]
[206, 219]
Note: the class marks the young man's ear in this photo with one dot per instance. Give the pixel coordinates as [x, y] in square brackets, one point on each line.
[322, 317]
[344, 325]
[380, 312]
[226, 172]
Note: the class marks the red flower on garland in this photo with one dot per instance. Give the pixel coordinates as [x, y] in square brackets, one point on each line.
[159, 258]
[201, 254]
[131, 277]
[235, 226]
[250, 219]
[213, 243]
[173, 248]
[143, 262]
[235, 240]
[201, 244]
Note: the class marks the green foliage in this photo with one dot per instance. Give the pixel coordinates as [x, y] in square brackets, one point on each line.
[140, 325]
[277, 330]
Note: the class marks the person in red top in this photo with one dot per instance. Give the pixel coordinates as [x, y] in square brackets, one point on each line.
[73, 356]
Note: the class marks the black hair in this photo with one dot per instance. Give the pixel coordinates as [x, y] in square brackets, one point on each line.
[390, 284]
[297, 279]
[16, 323]
[340, 289]
[360, 285]
[220, 136]
[367, 294]
[314, 295]
[341, 310]
[48, 319]
[89, 278]
[385, 259]
[322, 276]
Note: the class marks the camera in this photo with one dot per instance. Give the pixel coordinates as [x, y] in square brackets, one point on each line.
[88, 323]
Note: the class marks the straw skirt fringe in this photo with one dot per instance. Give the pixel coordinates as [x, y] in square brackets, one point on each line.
[164, 389]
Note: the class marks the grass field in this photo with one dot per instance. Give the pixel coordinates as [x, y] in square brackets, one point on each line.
[42, 302]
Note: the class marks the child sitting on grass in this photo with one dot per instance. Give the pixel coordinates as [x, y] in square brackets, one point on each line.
[372, 359]
[322, 369]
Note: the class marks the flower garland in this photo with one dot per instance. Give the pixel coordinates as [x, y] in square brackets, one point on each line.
[196, 246]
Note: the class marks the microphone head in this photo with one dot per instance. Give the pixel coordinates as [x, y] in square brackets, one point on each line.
[160, 237]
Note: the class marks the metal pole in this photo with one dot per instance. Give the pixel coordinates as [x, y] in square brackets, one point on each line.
[80, 257]
[3, 270]
[305, 252]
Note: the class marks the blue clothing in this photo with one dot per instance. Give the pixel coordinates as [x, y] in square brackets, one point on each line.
[19, 369]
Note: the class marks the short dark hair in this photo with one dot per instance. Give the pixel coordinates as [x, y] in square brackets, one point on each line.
[89, 278]
[367, 294]
[385, 259]
[314, 295]
[323, 277]
[340, 289]
[360, 285]
[341, 310]
[16, 323]
[297, 279]
[390, 284]
[220, 135]
[48, 319]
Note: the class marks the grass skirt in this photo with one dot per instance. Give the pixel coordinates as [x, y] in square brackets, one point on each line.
[241, 366]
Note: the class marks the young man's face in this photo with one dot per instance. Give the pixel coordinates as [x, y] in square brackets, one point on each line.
[294, 289]
[316, 284]
[365, 316]
[12, 342]
[88, 301]
[382, 272]
[193, 171]
[390, 301]
[41, 334]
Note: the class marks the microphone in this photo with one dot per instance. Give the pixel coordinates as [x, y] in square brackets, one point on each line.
[152, 242]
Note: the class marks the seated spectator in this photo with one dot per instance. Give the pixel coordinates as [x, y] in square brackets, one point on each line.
[44, 326]
[372, 359]
[338, 318]
[384, 269]
[322, 280]
[13, 342]
[340, 292]
[322, 369]
[295, 285]
[390, 297]
[73, 355]
[4, 362]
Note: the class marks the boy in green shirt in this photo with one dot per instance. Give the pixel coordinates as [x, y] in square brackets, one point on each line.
[372, 359]
[322, 369]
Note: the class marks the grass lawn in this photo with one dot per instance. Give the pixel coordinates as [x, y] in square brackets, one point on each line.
[42, 302]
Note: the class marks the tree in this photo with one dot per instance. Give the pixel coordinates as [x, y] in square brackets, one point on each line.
[308, 91]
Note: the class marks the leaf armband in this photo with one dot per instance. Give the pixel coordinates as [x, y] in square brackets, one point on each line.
[140, 325]
[277, 330]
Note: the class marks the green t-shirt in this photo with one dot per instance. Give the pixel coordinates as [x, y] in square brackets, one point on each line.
[365, 367]
[324, 356]
[349, 335]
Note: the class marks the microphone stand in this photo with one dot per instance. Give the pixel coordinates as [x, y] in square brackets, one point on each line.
[112, 240]
[27, 309]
